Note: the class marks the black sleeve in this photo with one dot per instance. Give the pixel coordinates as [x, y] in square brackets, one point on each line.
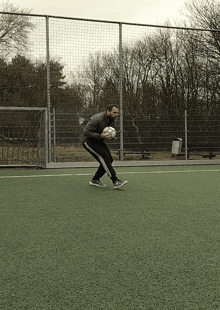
[91, 130]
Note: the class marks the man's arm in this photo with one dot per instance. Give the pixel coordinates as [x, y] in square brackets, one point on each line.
[91, 130]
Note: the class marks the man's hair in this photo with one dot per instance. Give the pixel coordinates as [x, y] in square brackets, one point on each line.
[111, 106]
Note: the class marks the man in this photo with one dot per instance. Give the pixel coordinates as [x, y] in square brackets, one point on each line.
[93, 141]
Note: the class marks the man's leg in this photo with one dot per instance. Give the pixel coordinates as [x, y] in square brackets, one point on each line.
[101, 170]
[102, 154]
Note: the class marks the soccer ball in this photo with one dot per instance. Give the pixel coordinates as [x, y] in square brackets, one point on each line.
[110, 131]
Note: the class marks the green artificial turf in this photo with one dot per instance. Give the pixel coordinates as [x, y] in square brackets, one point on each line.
[153, 245]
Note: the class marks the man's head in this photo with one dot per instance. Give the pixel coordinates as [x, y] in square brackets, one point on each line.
[112, 112]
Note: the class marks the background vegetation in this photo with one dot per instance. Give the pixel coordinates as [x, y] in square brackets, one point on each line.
[163, 73]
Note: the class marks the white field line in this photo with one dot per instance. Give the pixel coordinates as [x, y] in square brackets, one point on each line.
[154, 172]
[87, 174]
[34, 176]
[173, 171]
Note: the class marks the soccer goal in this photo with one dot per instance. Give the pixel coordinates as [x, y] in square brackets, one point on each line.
[23, 136]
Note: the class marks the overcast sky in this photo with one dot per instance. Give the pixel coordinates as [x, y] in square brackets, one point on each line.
[155, 12]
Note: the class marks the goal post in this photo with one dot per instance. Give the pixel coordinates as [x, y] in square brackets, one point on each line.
[24, 136]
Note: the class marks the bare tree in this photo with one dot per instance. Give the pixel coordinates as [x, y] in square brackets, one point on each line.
[14, 29]
[94, 78]
[205, 14]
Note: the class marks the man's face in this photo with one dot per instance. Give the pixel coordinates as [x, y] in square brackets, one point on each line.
[113, 113]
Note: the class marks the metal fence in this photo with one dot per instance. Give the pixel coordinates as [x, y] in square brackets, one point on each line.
[150, 133]
[164, 79]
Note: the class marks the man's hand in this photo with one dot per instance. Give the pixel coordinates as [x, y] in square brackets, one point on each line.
[105, 136]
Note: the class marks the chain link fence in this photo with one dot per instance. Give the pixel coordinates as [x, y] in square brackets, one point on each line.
[165, 81]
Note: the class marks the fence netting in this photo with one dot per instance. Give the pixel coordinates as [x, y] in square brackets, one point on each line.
[77, 67]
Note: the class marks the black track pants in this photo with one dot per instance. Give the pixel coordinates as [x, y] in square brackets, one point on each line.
[102, 154]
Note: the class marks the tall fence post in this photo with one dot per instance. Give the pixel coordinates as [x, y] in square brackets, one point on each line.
[186, 136]
[46, 136]
[121, 153]
[54, 134]
[48, 88]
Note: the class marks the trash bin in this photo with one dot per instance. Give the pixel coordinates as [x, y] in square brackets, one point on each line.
[177, 146]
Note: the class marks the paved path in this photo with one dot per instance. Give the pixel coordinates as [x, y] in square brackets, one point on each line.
[136, 163]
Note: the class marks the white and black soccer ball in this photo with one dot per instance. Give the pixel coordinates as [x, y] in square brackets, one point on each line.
[110, 131]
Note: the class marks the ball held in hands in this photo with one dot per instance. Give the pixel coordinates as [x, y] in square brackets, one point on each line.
[109, 132]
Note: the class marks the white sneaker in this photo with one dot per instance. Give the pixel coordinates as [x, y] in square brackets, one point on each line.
[119, 183]
[97, 183]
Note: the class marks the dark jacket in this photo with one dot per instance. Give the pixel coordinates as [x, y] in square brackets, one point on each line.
[95, 126]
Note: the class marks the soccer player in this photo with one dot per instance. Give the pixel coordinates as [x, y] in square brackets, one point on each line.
[93, 140]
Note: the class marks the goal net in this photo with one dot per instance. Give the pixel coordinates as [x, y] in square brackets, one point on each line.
[23, 136]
